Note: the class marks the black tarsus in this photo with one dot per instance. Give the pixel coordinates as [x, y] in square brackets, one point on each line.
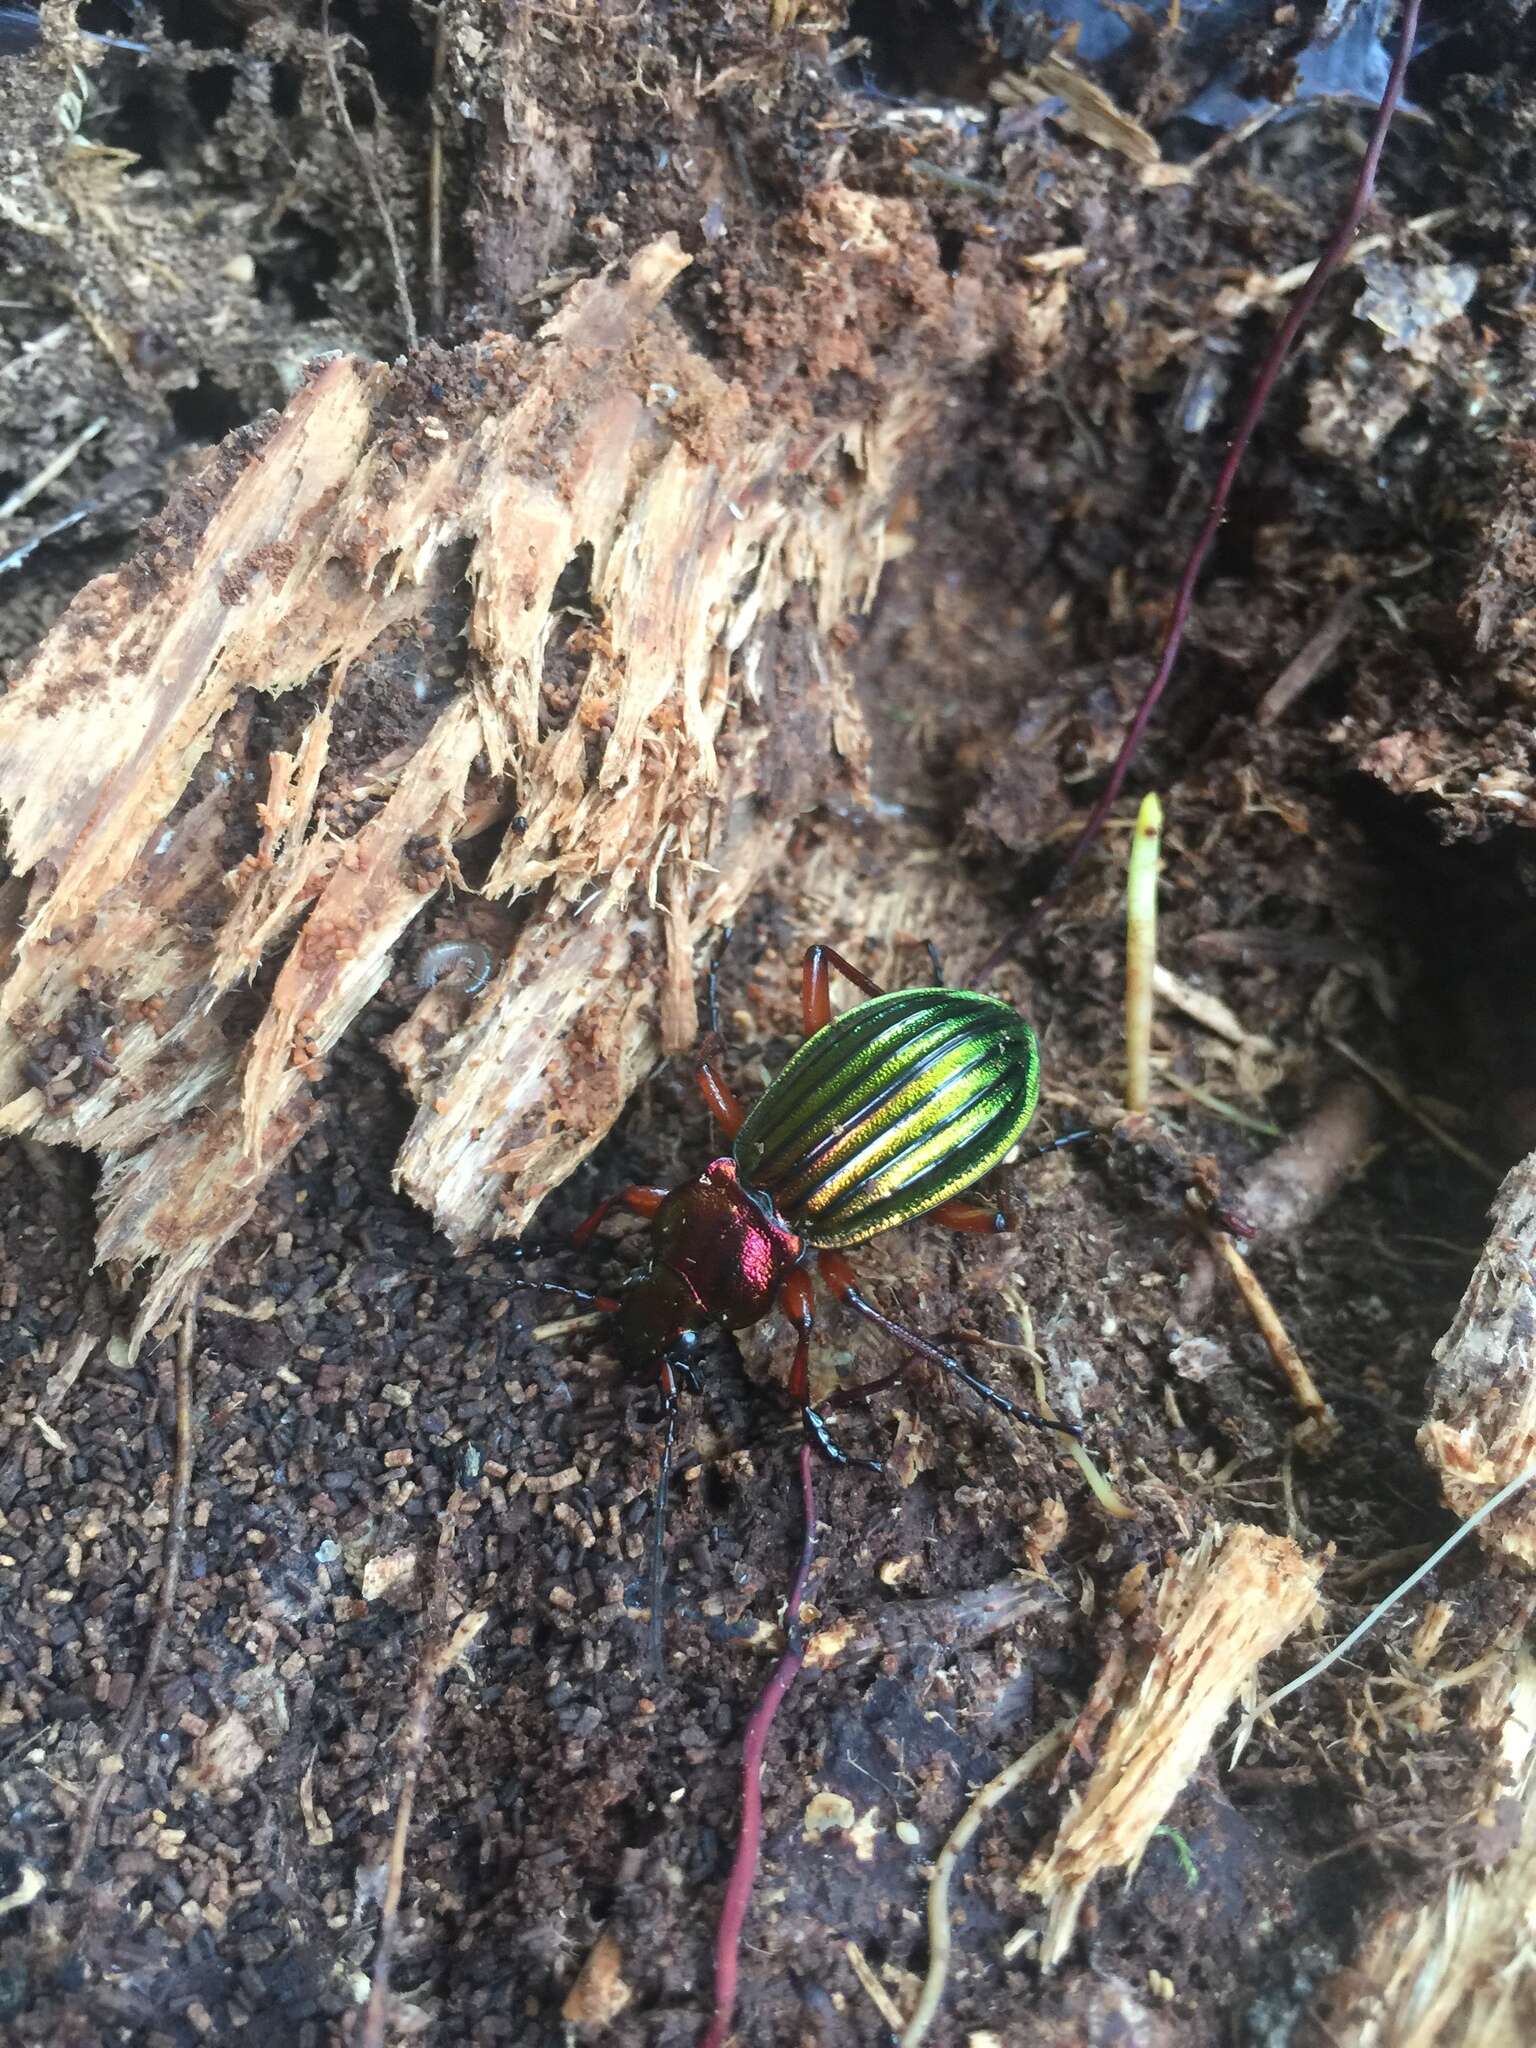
[950, 1364]
[659, 1532]
[816, 1429]
[935, 963]
[1061, 1144]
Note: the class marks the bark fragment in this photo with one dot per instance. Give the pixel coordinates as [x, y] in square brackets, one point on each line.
[1481, 1430]
[1221, 1610]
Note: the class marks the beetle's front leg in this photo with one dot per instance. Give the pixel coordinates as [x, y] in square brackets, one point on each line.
[799, 1306]
[640, 1201]
[816, 985]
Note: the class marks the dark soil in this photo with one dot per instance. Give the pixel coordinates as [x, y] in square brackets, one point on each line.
[363, 1397]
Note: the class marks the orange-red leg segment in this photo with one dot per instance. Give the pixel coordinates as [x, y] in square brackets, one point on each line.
[816, 985]
[639, 1201]
[977, 1219]
[719, 1097]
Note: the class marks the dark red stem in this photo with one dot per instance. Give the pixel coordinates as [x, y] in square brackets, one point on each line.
[738, 1891]
[1279, 349]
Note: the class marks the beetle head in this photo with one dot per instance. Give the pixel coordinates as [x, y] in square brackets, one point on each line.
[658, 1321]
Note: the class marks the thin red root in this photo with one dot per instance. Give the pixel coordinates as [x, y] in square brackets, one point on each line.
[1264, 383]
[738, 1891]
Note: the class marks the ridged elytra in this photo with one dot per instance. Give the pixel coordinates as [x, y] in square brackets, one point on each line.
[887, 1113]
[890, 1110]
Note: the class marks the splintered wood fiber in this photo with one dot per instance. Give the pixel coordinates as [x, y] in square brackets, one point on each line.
[633, 755]
[1221, 1610]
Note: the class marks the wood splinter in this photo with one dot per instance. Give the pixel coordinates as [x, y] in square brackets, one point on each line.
[1221, 1610]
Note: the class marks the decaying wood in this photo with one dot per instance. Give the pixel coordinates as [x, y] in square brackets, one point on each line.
[722, 543]
[1456, 1972]
[1221, 1610]
[1481, 1430]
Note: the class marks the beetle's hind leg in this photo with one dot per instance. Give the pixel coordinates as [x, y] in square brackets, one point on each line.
[840, 1277]
[798, 1306]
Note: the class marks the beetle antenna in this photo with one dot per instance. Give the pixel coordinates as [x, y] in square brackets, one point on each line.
[659, 1524]
[603, 1302]
[714, 982]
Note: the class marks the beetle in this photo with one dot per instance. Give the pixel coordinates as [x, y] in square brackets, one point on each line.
[887, 1113]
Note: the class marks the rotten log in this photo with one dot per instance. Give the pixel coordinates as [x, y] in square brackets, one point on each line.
[438, 514]
[1481, 1431]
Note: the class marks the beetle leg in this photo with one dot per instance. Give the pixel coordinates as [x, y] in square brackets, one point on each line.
[816, 986]
[605, 1302]
[641, 1201]
[719, 1098]
[935, 963]
[798, 1305]
[1061, 1144]
[840, 1277]
[980, 1219]
[977, 1219]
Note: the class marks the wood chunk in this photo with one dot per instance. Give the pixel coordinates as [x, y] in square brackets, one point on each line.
[653, 569]
[600, 1992]
[1221, 1610]
[1481, 1430]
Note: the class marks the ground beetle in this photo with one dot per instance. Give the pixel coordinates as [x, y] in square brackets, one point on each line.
[886, 1113]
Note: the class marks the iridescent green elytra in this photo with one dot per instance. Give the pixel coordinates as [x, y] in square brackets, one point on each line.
[889, 1110]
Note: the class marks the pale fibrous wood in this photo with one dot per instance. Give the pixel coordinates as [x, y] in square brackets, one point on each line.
[723, 545]
[1481, 1430]
[1221, 1609]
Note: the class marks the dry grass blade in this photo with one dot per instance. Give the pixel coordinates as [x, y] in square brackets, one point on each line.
[1141, 953]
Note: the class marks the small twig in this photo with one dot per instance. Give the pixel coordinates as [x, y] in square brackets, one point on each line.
[1141, 952]
[370, 174]
[991, 1794]
[542, 1332]
[51, 471]
[436, 297]
[1321, 1425]
[1258, 398]
[1303, 670]
[876, 1992]
[438, 1659]
[113, 1766]
[1206, 1010]
[738, 1890]
[1396, 1092]
[19, 553]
